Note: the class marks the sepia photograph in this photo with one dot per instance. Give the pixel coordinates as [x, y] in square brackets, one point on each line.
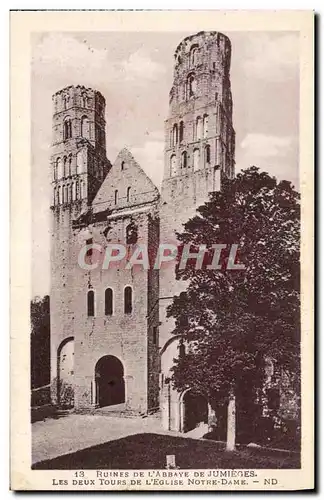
[166, 202]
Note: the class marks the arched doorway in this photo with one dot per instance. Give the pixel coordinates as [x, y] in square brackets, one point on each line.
[194, 410]
[110, 384]
[65, 371]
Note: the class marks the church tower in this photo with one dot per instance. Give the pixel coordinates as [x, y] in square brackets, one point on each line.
[78, 168]
[199, 152]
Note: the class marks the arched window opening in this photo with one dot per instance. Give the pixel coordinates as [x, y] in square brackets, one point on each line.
[173, 165]
[66, 194]
[128, 194]
[59, 168]
[108, 302]
[184, 159]
[196, 155]
[55, 197]
[67, 129]
[84, 100]
[85, 127]
[116, 196]
[175, 135]
[63, 194]
[122, 166]
[55, 171]
[131, 234]
[199, 128]
[90, 303]
[66, 99]
[77, 190]
[191, 86]
[59, 200]
[207, 154]
[65, 167]
[70, 165]
[205, 127]
[128, 300]
[71, 192]
[181, 131]
[193, 56]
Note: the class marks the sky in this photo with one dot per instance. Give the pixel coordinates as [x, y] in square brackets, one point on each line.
[134, 72]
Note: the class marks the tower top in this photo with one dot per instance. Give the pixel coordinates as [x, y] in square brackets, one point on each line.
[206, 36]
[78, 96]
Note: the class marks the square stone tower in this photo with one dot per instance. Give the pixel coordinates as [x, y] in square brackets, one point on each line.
[78, 167]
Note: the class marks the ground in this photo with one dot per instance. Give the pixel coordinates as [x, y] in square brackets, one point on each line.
[106, 442]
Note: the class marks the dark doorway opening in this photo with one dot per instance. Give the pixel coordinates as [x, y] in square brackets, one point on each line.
[110, 384]
[195, 409]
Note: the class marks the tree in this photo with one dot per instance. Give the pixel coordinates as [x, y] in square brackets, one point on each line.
[232, 320]
[40, 341]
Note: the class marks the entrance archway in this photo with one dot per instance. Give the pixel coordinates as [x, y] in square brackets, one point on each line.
[194, 410]
[110, 384]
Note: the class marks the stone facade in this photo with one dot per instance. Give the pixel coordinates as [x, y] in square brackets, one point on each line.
[110, 339]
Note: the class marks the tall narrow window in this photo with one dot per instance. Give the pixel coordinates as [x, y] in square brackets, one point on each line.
[191, 86]
[181, 131]
[205, 127]
[77, 190]
[59, 168]
[108, 302]
[67, 129]
[122, 166]
[193, 56]
[71, 192]
[196, 159]
[128, 300]
[65, 167]
[66, 194]
[70, 165]
[59, 200]
[207, 154]
[55, 197]
[55, 171]
[116, 196]
[63, 194]
[90, 303]
[128, 194]
[184, 159]
[175, 135]
[173, 166]
[84, 101]
[199, 127]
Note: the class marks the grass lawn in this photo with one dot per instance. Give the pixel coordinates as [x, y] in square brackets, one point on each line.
[148, 451]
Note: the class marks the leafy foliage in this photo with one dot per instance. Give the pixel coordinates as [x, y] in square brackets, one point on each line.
[232, 319]
[40, 341]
